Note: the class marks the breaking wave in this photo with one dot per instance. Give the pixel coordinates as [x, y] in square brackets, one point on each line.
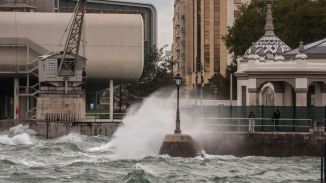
[18, 135]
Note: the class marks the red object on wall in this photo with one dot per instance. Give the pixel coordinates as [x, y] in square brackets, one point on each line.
[17, 110]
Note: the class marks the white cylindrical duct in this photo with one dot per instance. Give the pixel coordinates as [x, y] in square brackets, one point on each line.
[112, 43]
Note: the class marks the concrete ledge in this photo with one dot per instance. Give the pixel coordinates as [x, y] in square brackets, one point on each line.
[177, 138]
[179, 145]
[277, 144]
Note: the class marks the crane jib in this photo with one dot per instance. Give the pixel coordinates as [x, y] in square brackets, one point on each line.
[67, 67]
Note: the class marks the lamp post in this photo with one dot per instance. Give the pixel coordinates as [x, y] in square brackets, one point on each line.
[178, 80]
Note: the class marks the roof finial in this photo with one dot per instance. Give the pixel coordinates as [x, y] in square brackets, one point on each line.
[279, 54]
[301, 47]
[269, 27]
[301, 55]
[253, 48]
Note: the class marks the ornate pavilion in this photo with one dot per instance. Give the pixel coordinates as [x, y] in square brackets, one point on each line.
[272, 74]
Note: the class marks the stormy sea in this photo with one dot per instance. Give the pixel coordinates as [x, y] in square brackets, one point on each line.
[131, 155]
[25, 157]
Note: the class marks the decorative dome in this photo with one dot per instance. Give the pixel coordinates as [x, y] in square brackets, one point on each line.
[269, 43]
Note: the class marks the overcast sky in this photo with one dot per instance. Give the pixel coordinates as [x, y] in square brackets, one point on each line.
[165, 15]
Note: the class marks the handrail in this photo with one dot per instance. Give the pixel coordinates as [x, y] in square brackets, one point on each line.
[283, 119]
[235, 124]
[86, 117]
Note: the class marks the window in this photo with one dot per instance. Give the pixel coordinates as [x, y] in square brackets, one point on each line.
[244, 95]
[51, 65]
[237, 1]
[236, 13]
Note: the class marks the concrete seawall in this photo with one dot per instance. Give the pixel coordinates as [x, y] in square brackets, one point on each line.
[277, 144]
[58, 129]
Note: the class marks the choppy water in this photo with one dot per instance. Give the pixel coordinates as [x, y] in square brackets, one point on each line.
[25, 157]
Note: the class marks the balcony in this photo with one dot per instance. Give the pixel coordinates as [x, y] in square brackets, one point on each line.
[177, 33]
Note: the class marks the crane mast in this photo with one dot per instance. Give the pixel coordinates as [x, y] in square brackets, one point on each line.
[68, 64]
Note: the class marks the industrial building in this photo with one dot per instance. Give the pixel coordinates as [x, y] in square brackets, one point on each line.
[113, 44]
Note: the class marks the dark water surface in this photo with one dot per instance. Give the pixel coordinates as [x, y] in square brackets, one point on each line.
[27, 158]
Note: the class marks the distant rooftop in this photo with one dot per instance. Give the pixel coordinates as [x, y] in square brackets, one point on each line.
[313, 50]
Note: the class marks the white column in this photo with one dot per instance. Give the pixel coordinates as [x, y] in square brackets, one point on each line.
[301, 98]
[301, 90]
[278, 99]
[16, 98]
[253, 96]
[111, 100]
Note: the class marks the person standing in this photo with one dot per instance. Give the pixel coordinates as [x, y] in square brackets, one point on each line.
[251, 122]
[276, 117]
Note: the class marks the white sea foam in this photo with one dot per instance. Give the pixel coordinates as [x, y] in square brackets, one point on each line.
[145, 126]
[102, 148]
[143, 131]
[19, 139]
[72, 137]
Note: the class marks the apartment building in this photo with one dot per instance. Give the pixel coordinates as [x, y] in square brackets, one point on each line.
[197, 42]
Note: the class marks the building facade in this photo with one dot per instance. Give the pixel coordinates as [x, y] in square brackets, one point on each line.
[271, 74]
[18, 5]
[147, 11]
[25, 36]
[197, 42]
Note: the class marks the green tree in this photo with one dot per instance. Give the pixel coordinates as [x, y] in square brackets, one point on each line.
[294, 21]
[217, 87]
[156, 74]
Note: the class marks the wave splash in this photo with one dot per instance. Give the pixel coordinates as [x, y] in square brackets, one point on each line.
[145, 126]
[18, 135]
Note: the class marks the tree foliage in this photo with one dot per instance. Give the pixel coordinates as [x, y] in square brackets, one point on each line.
[156, 74]
[217, 87]
[294, 21]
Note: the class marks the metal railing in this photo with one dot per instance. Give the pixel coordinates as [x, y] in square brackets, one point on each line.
[88, 117]
[323, 163]
[98, 117]
[260, 124]
[287, 112]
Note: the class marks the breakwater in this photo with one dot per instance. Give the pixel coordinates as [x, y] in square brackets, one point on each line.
[276, 144]
[59, 129]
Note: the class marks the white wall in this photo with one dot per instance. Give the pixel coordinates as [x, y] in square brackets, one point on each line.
[112, 43]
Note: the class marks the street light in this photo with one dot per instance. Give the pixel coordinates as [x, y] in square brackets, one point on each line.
[178, 80]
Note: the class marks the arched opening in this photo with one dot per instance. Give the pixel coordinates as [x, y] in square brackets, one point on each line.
[315, 93]
[268, 95]
[277, 93]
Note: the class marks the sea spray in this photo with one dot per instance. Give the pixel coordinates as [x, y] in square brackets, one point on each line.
[21, 129]
[144, 128]
[20, 139]
[146, 124]
[17, 135]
